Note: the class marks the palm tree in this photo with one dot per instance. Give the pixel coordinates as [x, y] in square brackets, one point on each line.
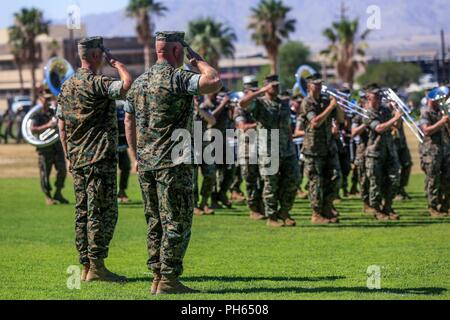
[17, 46]
[31, 24]
[211, 39]
[53, 48]
[271, 26]
[143, 10]
[346, 50]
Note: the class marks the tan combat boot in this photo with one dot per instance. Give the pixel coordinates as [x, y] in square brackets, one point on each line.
[273, 222]
[369, 210]
[434, 213]
[381, 216]
[207, 211]
[84, 272]
[49, 201]
[302, 195]
[237, 197]
[393, 216]
[287, 219]
[172, 285]
[98, 272]
[257, 216]
[198, 212]
[317, 218]
[155, 283]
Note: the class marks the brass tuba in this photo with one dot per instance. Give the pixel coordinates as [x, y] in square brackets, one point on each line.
[56, 72]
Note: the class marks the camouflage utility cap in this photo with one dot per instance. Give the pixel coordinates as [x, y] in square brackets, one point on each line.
[91, 43]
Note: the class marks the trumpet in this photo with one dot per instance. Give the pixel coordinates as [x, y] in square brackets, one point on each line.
[390, 95]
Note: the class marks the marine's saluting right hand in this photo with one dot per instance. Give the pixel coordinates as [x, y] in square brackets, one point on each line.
[193, 57]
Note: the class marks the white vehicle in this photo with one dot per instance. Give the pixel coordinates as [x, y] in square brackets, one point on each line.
[21, 103]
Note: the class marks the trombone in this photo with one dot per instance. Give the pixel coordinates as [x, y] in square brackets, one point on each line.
[390, 95]
[343, 100]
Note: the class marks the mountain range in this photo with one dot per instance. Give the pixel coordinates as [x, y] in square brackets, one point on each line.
[404, 25]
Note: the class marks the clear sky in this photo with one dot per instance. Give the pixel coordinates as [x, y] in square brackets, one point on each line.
[56, 9]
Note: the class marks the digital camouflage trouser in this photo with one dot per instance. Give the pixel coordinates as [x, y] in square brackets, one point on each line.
[48, 159]
[324, 176]
[384, 179]
[237, 180]
[125, 168]
[404, 157]
[254, 184]
[224, 179]
[96, 209]
[169, 206]
[360, 163]
[345, 165]
[280, 189]
[209, 180]
[437, 180]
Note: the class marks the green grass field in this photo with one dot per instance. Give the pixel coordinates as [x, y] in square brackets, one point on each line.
[230, 256]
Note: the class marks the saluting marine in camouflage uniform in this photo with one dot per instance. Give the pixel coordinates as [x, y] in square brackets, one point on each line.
[250, 172]
[382, 166]
[280, 189]
[320, 151]
[435, 158]
[160, 103]
[88, 129]
[49, 156]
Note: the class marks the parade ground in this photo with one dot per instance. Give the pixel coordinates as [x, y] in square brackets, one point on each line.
[230, 256]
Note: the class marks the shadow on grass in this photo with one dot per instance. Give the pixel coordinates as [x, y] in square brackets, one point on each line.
[407, 291]
[245, 279]
[381, 224]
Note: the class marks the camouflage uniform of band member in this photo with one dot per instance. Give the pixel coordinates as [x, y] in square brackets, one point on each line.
[236, 187]
[343, 144]
[50, 156]
[280, 188]
[360, 161]
[225, 173]
[382, 165]
[250, 172]
[162, 101]
[404, 157]
[301, 161]
[87, 106]
[321, 159]
[208, 172]
[297, 124]
[435, 162]
[123, 157]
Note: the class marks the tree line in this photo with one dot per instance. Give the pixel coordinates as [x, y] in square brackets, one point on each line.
[270, 26]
